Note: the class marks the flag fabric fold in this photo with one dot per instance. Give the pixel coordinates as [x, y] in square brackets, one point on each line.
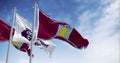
[22, 31]
[46, 45]
[22, 47]
[22, 35]
[4, 31]
[49, 29]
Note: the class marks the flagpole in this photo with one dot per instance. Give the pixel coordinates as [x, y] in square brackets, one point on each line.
[10, 38]
[33, 27]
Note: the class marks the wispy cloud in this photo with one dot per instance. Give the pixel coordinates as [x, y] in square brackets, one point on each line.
[103, 33]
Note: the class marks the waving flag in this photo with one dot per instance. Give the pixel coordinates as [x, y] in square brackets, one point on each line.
[46, 45]
[48, 29]
[4, 31]
[22, 35]
[22, 31]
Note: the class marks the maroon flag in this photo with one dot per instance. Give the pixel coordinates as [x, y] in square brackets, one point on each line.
[49, 29]
[4, 31]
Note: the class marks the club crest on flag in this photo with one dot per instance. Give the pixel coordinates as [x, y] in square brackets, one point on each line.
[64, 31]
[17, 44]
[27, 34]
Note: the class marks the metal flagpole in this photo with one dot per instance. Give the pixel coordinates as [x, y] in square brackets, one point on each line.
[11, 32]
[33, 27]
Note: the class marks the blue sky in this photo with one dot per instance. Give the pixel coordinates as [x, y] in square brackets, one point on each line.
[96, 20]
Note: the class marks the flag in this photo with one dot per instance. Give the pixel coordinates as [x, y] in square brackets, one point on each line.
[23, 30]
[46, 45]
[22, 35]
[4, 31]
[49, 29]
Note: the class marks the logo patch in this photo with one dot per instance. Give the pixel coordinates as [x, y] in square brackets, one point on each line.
[27, 34]
[41, 43]
[17, 44]
[64, 31]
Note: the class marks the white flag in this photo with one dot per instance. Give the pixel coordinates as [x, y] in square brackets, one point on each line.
[22, 31]
[46, 45]
[22, 35]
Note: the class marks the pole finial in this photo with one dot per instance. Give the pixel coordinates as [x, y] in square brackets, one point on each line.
[14, 8]
[35, 4]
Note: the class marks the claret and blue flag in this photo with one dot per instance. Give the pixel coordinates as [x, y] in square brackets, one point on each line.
[50, 29]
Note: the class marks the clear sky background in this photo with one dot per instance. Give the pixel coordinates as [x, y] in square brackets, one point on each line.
[96, 20]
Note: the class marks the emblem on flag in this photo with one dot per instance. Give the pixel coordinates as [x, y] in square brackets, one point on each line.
[27, 34]
[64, 31]
[46, 45]
[17, 44]
[41, 43]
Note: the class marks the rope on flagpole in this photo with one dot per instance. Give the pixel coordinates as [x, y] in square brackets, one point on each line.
[33, 27]
[11, 32]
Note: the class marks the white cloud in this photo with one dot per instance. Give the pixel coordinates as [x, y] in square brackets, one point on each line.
[105, 2]
[103, 36]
